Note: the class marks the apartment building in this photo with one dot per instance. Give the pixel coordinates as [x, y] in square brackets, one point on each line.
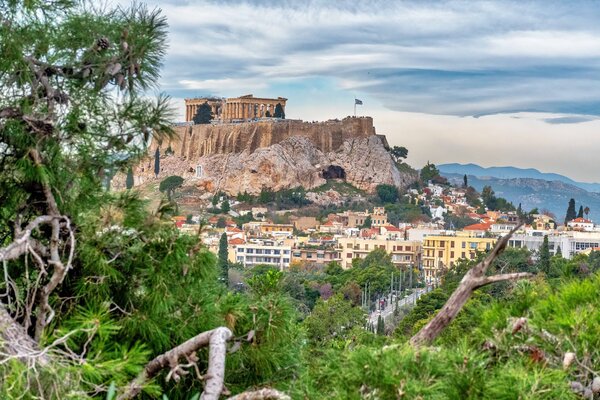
[403, 252]
[570, 243]
[317, 256]
[442, 252]
[264, 252]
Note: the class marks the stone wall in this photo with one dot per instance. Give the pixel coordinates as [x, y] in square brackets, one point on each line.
[198, 141]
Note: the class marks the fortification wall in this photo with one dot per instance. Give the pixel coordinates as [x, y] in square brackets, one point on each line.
[197, 141]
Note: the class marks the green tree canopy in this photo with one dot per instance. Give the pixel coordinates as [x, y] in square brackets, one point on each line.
[387, 193]
[170, 184]
[279, 113]
[429, 172]
[571, 213]
[203, 114]
[399, 153]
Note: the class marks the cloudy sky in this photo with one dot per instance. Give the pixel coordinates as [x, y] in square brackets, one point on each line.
[494, 83]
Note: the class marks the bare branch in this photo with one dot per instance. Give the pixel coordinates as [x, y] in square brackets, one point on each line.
[503, 277]
[261, 394]
[216, 339]
[473, 279]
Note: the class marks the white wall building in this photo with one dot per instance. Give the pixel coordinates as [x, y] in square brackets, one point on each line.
[251, 254]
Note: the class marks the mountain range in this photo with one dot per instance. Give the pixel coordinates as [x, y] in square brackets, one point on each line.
[513, 172]
[533, 189]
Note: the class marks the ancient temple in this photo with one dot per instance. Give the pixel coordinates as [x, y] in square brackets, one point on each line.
[240, 108]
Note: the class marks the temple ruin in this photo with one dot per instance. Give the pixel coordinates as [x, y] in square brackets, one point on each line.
[241, 108]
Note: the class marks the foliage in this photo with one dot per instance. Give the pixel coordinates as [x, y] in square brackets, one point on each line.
[429, 172]
[223, 264]
[332, 320]
[170, 184]
[129, 179]
[279, 113]
[571, 213]
[387, 193]
[398, 153]
[203, 114]
[157, 162]
[225, 207]
[495, 203]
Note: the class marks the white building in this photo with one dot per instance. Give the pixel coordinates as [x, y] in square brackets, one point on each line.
[581, 224]
[264, 252]
[570, 243]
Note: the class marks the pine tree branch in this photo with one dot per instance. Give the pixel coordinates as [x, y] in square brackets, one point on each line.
[216, 339]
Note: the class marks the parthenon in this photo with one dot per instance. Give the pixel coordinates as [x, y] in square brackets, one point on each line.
[238, 108]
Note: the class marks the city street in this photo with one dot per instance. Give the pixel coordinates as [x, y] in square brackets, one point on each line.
[389, 310]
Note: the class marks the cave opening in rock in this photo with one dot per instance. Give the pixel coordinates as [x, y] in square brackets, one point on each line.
[334, 172]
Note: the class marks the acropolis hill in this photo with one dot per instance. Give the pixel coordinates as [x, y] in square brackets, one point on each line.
[201, 140]
[275, 153]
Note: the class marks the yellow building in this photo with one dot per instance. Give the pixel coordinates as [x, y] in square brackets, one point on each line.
[442, 252]
[403, 252]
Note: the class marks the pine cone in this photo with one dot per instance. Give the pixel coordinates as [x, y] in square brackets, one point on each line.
[103, 43]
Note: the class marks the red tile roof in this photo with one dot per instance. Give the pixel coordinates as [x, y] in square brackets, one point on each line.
[477, 227]
[236, 241]
[581, 221]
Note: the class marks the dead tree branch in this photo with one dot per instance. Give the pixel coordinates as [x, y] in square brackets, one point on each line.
[473, 279]
[216, 339]
[261, 394]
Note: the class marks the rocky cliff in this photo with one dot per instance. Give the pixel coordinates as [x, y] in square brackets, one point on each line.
[278, 155]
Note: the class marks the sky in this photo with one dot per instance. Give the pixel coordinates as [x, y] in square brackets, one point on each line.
[494, 83]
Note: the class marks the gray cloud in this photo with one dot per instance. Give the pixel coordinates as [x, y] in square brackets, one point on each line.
[456, 58]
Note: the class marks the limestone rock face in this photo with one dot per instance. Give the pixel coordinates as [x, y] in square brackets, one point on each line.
[295, 161]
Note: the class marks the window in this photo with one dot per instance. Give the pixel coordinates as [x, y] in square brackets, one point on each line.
[473, 245]
[442, 244]
[464, 245]
[250, 251]
[452, 244]
[462, 255]
[286, 260]
[286, 252]
[408, 248]
[400, 248]
[348, 255]
[240, 250]
[259, 251]
[198, 171]
[349, 245]
[451, 254]
[268, 251]
[366, 247]
[309, 255]
[240, 258]
[487, 246]
[440, 253]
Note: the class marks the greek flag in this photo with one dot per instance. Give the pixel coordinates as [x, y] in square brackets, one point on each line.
[357, 101]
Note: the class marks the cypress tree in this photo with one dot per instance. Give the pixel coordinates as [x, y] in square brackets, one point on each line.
[156, 162]
[380, 326]
[558, 252]
[465, 181]
[544, 260]
[129, 180]
[203, 114]
[571, 213]
[279, 113]
[223, 261]
[580, 213]
[225, 207]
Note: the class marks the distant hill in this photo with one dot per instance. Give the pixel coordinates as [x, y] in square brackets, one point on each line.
[513, 172]
[536, 193]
